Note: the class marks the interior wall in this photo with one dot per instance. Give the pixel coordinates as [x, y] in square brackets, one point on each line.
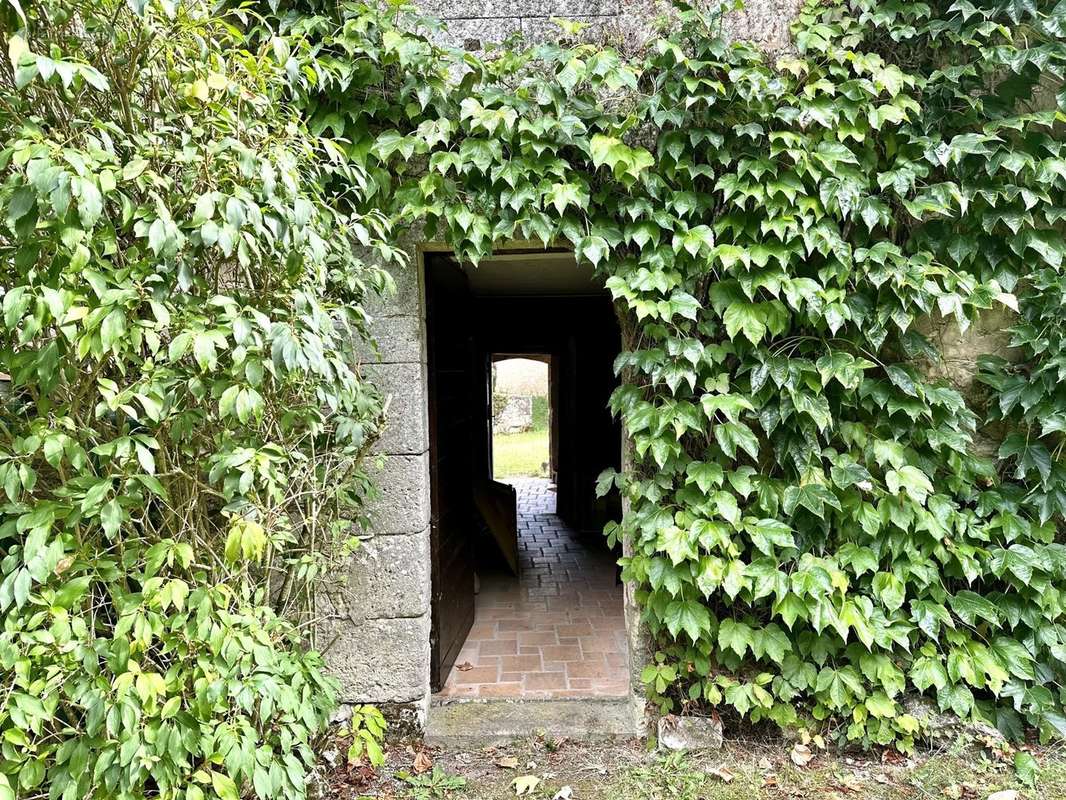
[580, 334]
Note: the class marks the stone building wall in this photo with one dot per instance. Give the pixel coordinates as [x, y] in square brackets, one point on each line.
[377, 634]
[628, 23]
[515, 416]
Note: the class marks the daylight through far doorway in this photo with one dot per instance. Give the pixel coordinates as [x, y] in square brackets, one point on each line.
[521, 417]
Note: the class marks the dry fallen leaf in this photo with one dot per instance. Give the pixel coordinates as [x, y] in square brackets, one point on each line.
[801, 755]
[423, 763]
[889, 756]
[564, 794]
[466, 666]
[769, 781]
[723, 774]
[507, 762]
[851, 783]
[526, 784]
[954, 791]
[1009, 794]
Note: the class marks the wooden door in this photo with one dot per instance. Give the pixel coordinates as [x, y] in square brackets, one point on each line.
[497, 504]
[452, 437]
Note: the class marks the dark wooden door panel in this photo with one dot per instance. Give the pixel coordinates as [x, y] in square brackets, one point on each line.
[451, 360]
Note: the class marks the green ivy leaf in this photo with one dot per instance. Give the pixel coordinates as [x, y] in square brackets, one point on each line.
[689, 616]
[1026, 768]
[890, 590]
[735, 636]
[731, 435]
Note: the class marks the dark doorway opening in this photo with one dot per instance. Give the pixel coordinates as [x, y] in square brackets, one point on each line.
[525, 599]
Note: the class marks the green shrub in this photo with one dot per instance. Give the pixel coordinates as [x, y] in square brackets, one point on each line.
[181, 438]
[540, 413]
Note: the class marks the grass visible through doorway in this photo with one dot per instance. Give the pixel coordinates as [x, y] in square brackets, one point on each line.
[520, 454]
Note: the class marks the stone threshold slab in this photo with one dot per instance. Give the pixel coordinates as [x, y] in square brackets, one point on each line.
[484, 723]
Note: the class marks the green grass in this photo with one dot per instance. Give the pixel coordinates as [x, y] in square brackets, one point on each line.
[520, 454]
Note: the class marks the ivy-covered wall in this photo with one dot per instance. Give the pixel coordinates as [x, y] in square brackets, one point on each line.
[380, 628]
[819, 525]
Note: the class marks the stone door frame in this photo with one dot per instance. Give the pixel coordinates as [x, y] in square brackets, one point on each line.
[381, 648]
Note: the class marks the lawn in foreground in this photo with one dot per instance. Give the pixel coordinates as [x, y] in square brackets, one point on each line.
[742, 770]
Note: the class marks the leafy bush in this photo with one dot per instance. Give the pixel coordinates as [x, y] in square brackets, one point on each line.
[181, 437]
[812, 530]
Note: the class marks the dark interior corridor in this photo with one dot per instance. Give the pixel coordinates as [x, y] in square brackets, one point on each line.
[521, 304]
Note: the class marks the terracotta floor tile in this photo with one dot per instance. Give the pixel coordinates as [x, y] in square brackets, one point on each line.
[475, 675]
[499, 647]
[588, 669]
[512, 625]
[522, 664]
[537, 638]
[479, 632]
[559, 629]
[561, 652]
[545, 680]
[572, 631]
[500, 690]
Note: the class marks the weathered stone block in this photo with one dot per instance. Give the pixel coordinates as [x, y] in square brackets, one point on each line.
[407, 299]
[486, 9]
[690, 733]
[544, 30]
[515, 415]
[946, 728]
[960, 350]
[767, 23]
[627, 24]
[406, 424]
[399, 340]
[390, 577]
[585, 8]
[380, 660]
[477, 34]
[402, 505]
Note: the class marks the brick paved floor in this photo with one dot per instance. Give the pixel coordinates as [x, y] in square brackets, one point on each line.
[558, 629]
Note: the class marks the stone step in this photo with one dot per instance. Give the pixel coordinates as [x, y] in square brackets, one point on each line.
[483, 723]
